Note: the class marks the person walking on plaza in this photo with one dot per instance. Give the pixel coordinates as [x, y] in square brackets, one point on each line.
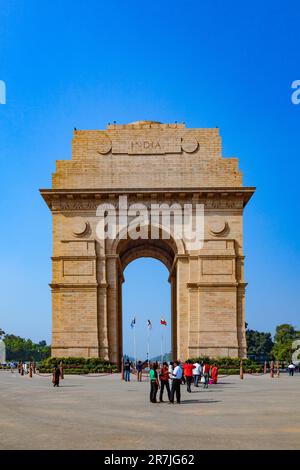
[154, 383]
[196, 373]
[214, 374]
[164, 382]
[206, 369]
[56, 376]
[176, 376]
[183, 380]
[139, 369]
[188, 373]
[171, 366]
[291, 369]
[127, 370]
[272, 367]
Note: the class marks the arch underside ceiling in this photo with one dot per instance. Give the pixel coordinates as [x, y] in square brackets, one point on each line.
[163, 248]
[130, 250]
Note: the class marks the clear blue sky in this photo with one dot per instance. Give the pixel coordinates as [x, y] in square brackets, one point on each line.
[86, 63]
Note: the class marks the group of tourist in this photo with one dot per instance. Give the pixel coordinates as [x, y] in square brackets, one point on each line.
[24, 368]
[170, 376]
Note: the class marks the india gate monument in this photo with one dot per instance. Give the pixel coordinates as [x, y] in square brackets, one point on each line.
[148, 164]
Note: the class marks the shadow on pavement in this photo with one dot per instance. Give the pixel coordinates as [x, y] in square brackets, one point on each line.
[204, 390]
[67, 386]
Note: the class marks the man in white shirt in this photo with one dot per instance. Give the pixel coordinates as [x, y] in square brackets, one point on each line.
[176, 376]
[170, 373]
[196, 373]
[291, 369]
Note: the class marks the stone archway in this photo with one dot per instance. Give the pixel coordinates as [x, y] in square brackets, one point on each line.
[128, 250]
[148, 162]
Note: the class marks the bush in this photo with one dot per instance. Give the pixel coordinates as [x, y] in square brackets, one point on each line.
[231, 365]
[77, 365]
[229, 371]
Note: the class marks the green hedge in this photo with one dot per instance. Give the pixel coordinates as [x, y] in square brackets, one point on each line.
[81, 365]
[231, 365]
[227, 371]
[79, 371]
[77, 365]
[90, 362]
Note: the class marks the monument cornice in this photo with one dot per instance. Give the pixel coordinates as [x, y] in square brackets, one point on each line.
[89, 199]
[74, 285]
[195, 285]
[74, 257]
[203, 284]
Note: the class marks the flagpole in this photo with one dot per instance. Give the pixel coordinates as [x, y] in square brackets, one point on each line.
[163, 324]
[148, 347]
[134, 340]
[134, 345]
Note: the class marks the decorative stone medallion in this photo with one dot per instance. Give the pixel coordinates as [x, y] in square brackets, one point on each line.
[218, 227]
[79, 226]
[189, 144]
[103, 144]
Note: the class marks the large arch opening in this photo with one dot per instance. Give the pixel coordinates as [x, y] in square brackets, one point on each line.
[164, 250]
[146, 295]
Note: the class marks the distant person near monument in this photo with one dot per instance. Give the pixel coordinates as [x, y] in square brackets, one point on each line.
[164, 382]
[2, 352]
[176, 376]
[197, 373]
[56, 376]
[154, 384]
[188, 373]
[139, 369]
[214, 374]
[291, 369]
[127, 370]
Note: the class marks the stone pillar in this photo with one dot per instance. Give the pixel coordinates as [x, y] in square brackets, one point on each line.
[102, 304]
[74, 296]
[182, 307]
[113, 308]
[173, 282]
[241, 333]
[120, 320]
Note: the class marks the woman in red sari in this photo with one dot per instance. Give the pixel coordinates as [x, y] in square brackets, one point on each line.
[214, 374]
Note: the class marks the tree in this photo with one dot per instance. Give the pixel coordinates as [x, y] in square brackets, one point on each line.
[283, 342]
[2, 333]
[21, 349]
[259, 344]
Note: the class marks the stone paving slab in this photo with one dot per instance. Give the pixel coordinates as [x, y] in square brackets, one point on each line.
[106, 413]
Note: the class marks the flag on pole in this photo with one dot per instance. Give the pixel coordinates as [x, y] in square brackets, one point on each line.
[133, 322]
[149, 324]
[163, 322]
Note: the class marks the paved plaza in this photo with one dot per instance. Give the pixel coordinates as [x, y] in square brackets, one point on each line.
[106, 413]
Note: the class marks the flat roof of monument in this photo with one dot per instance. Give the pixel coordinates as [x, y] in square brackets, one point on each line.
[143, 122]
